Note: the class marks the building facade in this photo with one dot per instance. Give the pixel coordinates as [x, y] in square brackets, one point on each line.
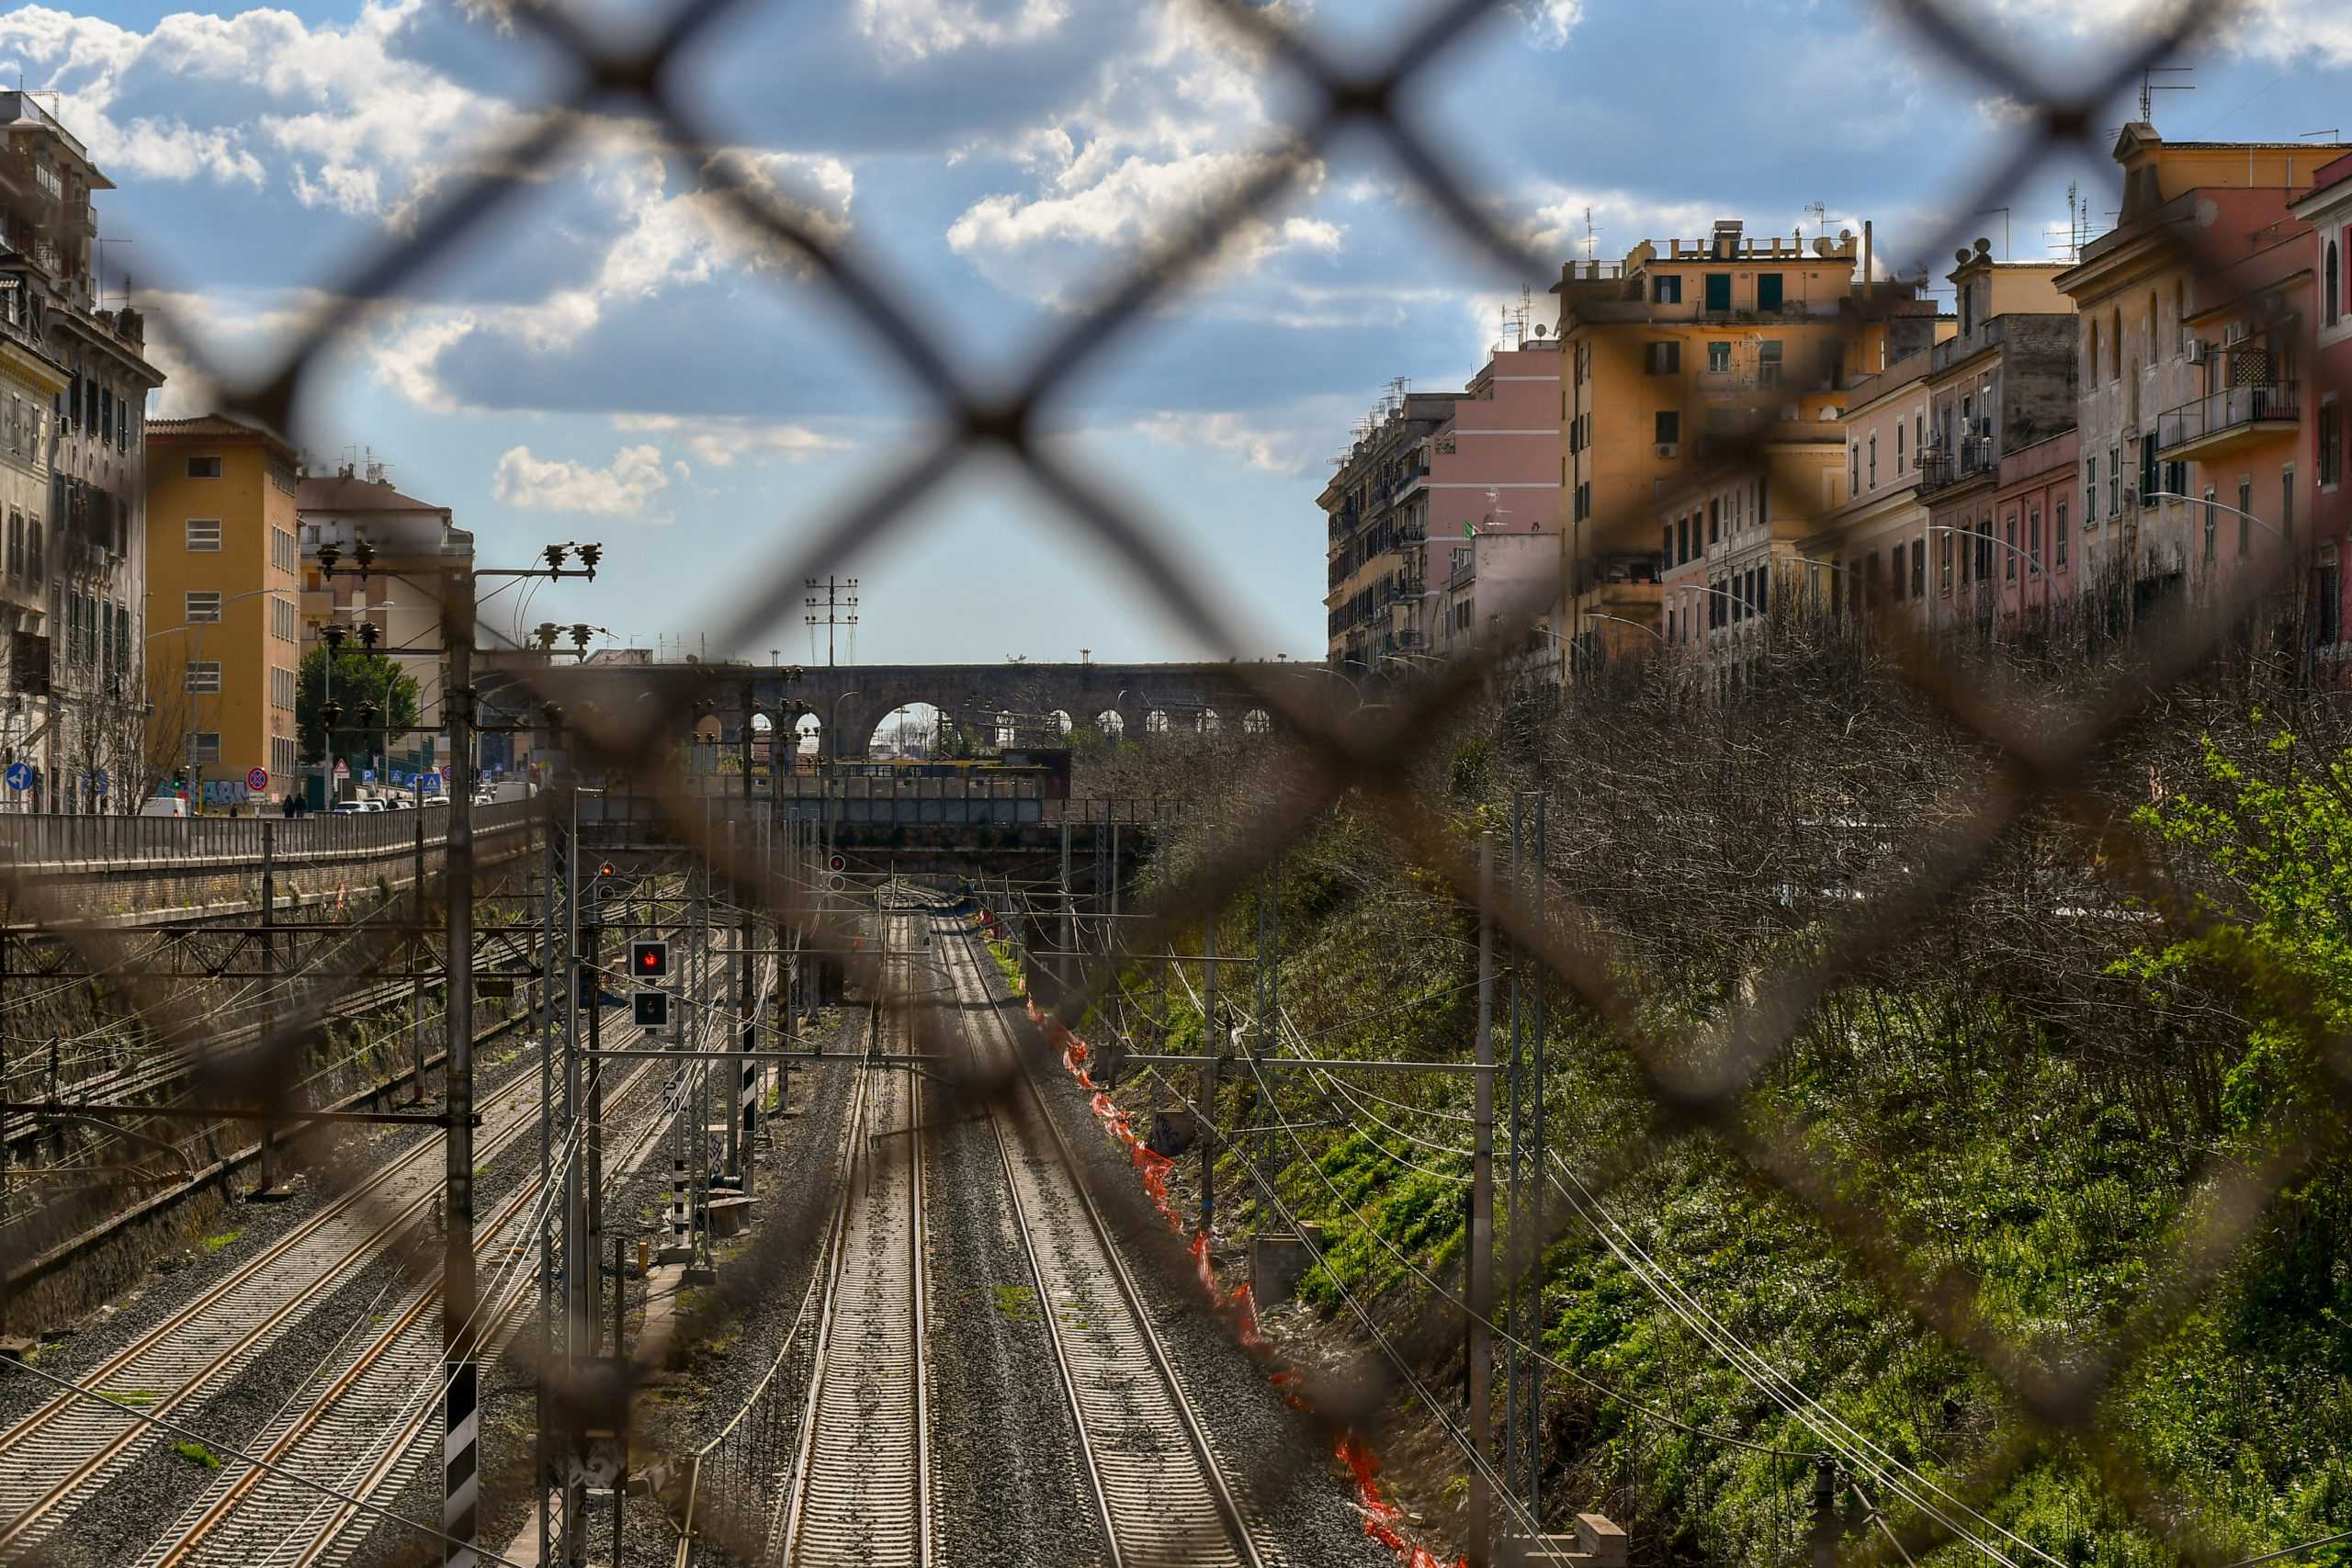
[88, 728]
[2327, 207]
[1675, 355]
[31, 383]
[420, 556]
[1496, 469]
[2003, 382]
[225, 635]
[2182, 391]
[1376, 520]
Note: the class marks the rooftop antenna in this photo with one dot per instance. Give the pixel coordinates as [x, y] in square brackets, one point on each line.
[2334, 135]
[2150, 88]
[1819, 211]
[1592, 238]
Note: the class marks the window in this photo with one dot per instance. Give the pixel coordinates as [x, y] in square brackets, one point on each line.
[1943, 565]
[2149, 480]
[1669, 426]
[1874, 459]
[1714, 522]
[2287, 503]
[1665, 288]
[2090, 488]
[281, 619]
[2058, 527]
[1768, 291]
[1894, 576]
[15, 543]
[2329, 282]
[1898, 445]
[203, 675]
[203, 749]
[2245, 509]
[1853, 469]
[1985, 548]
[281, 755]
[1967, 307]
[1718, 291]
[2009, 556]
[1967, 556]
[281, 687]
[2115, 346]
[203, 606]
[1662, 358]
[2115, 481]
[2212, 520]
[1719, 356]
[282, 552]
[1919, 569]
[1919, 436]
[1681, 540]
[1763, 590]
[204, 468]
[33, 564]
[204, 533]
[2033, 538]
[1768, 362]
[2331, 442]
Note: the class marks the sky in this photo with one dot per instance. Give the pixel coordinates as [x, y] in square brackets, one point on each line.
[609, 358]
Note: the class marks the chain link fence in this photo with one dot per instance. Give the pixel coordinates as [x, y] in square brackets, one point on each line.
[2044, 762]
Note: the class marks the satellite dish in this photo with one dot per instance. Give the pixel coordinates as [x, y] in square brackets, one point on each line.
[1541, 329]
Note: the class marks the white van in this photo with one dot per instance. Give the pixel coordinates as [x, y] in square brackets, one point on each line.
[165, 805]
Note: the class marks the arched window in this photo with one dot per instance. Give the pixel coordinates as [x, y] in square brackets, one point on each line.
[2115, 346]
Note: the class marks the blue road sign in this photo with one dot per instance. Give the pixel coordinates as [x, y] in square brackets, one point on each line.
[431, 784]
[20, 775]
[99, 783]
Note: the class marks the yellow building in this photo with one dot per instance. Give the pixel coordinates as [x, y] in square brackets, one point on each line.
[1676, 356]
[223, 596]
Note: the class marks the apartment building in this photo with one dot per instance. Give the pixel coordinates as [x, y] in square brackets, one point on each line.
[1494, 486]
[420, 556]
[1376, 519]
[2191, 327]
[31, 381]
[74, 686]
[224, 586]
[2327, 207]
[1883, 428]
[1676, 356]
[2004, 381]
[2035, 570]
[1731, 536]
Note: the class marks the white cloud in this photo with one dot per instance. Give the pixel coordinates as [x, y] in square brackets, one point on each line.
[721, 441]
[348, 121]
[2297, 31]
[904, 30]
[1162, 134]
[1551, 20]
[623, 488]
[1246, 437]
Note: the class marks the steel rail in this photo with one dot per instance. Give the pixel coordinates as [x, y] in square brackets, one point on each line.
[865, 1425]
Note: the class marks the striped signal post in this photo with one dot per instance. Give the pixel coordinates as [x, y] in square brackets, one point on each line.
[461, 1417]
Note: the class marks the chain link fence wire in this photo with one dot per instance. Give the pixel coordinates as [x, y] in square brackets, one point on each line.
[2044, 765]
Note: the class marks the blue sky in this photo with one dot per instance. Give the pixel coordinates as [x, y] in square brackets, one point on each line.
[612, 361]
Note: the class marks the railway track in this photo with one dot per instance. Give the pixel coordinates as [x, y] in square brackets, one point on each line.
[66, 1450]
[363, 1423]
[861, 1483]
[1160, 1491]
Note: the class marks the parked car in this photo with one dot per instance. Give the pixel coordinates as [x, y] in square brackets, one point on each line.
[403, 803]
[348, 808]
[436, 800]
[485, 799]
[165, 805]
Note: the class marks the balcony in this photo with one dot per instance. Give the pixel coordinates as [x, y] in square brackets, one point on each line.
[2225, 421]
[1941, 468]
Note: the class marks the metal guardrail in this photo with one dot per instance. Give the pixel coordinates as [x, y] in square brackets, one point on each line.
[66, 840]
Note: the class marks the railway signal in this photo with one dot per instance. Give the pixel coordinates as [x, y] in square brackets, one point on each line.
[649, 959]
[651, 1009]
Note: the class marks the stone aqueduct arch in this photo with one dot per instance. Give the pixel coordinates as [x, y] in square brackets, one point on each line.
[850, 701]
[865, 695]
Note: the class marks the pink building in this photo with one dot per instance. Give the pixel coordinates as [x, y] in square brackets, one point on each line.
[2327, 207]
[2037, 555]
[1496, 469]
